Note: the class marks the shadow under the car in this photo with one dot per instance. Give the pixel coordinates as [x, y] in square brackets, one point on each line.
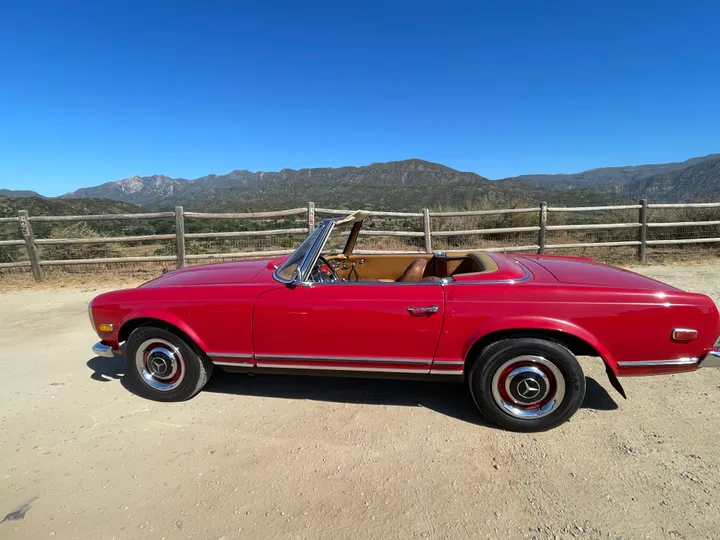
[596, 397]
[107, 369]
[451, 399]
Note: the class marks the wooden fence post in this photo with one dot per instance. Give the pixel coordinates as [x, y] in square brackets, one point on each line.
[426, 230]
[642, 219]
[543, 227]
[180, 236]
[27, 232]
[311, 217]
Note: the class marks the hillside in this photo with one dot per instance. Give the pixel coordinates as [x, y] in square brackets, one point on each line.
[37, 206]
[409, 184]
[700, 182]
[610, 179]
[18, 193]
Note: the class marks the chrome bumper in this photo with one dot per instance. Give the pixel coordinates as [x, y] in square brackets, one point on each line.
[100, 349]
[711, 360]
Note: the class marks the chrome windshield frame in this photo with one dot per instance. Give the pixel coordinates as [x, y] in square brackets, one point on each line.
[306, 264]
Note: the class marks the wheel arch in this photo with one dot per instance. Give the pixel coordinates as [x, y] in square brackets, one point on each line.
[578, 340]
[162, 320]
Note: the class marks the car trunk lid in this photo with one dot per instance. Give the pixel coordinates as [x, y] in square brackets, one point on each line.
[583, 271]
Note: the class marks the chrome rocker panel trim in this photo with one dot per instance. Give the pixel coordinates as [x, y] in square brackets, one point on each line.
[712, 359]
[372, 360]
[425, 370]
[317, 363]
[247, 363]
[650, 363]
[100, 349]
[241, 359]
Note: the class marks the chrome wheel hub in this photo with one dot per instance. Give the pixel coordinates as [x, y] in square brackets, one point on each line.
[528, 387]
[160, 364]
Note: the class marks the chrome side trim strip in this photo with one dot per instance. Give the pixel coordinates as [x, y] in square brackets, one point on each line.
[446, 372]
[342, 359]
[449, 362]
[675, 362]
[230, 355]
[238, 364]
[343, 368]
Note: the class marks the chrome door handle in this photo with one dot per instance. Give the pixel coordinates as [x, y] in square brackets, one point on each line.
[422, 310]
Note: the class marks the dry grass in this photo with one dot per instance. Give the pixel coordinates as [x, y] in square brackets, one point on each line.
[23, 281]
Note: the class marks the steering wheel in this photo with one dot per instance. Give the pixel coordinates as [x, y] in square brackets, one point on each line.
[333, 273]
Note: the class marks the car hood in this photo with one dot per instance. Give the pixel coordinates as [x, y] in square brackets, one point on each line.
[212, 274]
[582, 271]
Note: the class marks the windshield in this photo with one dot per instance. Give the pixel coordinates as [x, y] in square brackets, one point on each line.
[287, 270]
[303, 259]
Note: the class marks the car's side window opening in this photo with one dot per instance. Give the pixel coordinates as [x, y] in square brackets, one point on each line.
[327, 256]
[399, 268]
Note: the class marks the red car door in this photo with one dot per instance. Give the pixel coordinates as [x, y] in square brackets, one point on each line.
[383, 327]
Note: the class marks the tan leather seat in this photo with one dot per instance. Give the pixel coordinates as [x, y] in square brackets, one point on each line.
[414, 272]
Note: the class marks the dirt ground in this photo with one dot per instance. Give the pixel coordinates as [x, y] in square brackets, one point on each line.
[279, 457]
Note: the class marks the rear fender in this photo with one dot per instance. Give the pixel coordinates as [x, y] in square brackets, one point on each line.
[541, 323]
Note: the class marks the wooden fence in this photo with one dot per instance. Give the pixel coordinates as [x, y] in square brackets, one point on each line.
[307, 217]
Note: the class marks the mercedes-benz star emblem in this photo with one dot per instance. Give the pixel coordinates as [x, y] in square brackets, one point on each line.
[528, 388]
[158, 366]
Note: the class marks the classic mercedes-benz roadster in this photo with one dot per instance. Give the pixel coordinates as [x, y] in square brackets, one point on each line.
[511, 327]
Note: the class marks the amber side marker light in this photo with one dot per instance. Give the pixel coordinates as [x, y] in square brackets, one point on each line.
[684, 334]
[105, 327]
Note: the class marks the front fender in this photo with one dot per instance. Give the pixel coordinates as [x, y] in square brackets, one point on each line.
[542, 323]
[164, 316]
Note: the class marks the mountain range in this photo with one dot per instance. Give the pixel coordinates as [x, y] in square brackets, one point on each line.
[412, 184]
[409, 184]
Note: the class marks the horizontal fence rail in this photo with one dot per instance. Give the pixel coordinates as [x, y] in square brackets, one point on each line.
[686, 205]
[594, 208]
[96, 217]
[453, 228]
[248, 215]
[485, 212]
[371, 212]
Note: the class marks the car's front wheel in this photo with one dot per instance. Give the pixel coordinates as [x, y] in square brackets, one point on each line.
[527, 384]
[163, 366]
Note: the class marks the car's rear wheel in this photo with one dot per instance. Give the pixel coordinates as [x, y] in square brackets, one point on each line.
[527, 384]
[164, 366]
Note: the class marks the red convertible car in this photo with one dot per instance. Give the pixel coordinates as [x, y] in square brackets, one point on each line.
[511, 327]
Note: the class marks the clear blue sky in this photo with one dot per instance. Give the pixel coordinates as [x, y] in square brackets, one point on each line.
[94, 91]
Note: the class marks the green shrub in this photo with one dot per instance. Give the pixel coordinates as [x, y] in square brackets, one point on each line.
[78, 251]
